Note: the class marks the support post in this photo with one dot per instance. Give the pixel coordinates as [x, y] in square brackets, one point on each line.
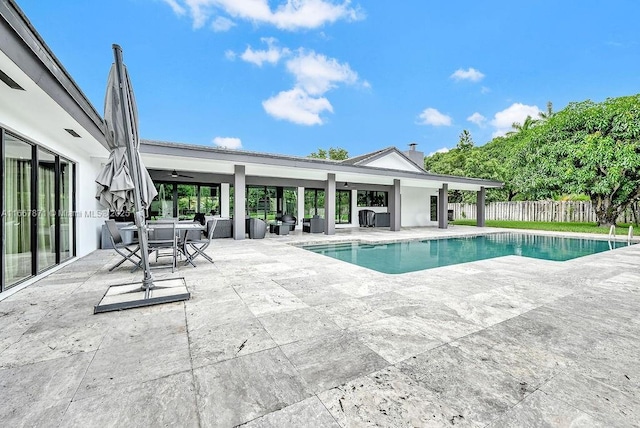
[300, 214]
[480, 207]
[224, 200]
[239, 202]
[330, 205]
[394, 206]
[443, 203]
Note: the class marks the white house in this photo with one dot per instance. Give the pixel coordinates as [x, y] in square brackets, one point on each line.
[52, 147]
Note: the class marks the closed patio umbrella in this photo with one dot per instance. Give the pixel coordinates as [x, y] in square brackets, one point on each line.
[125, 186]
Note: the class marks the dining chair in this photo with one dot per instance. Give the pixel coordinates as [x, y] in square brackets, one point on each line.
[127, 251]
[200, 245]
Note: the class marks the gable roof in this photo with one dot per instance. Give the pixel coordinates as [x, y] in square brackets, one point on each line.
[368, 158]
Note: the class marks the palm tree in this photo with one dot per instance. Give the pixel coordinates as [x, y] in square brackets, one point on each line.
[546, 115]
[527, 124]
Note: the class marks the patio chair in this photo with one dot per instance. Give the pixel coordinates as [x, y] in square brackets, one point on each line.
[164, 238]
[127, 251]
[200, 245]
[289, 220]
[313, 225]
[256, 228]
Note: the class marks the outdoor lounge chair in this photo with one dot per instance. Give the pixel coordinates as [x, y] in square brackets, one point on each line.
[200, 245]
[289, 220]
[256, 228]
[127, 251]
[314, 224]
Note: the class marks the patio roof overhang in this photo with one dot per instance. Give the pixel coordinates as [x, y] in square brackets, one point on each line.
[50, 102]
[218, 164]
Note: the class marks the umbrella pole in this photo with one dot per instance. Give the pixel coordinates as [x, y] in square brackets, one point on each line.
[134, 166]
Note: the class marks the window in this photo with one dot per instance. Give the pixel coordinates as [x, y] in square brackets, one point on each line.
[185, 199]
[434, 208]
[369, 198]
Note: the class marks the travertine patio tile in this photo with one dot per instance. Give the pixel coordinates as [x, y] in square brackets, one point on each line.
[478, 391]
[211, 344]
[396, 338]
[266, 298]
[330, 360]
[389, 398]
[291, 326]
[242, 389]
[310, 413]
[540, 409]
[595, 398]
[350, 312]
[135, 362]
[38, 394]
[168, 401]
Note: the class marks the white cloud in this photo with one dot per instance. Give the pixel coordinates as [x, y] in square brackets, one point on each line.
[297, 106]
[316, 73]
[272, 55]
[177, 9]
[228, 142]
[477, 118]
[442, 150]
[431, 116]
[222, 24]
[290, 15]
[485, 90]
[230, 55]
[516, 112]
[469, 74]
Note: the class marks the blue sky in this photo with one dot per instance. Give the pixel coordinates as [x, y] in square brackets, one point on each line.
[293, 76]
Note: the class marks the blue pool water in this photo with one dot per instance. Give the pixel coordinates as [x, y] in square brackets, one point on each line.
[402, 257]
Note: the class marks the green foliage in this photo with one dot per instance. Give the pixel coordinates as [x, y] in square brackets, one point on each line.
[587, 148]
[334, 153]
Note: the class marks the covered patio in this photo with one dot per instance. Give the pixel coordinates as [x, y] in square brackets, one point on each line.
[275, 335]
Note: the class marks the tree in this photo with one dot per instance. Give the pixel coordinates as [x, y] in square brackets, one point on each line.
[465, 142]
[590, 148]
[334, 153]
[528, 123]
[545, 115]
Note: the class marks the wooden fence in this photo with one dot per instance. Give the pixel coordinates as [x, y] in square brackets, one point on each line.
[550, 211]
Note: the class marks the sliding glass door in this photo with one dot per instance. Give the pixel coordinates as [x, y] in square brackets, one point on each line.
[18, 261]
[38, 220]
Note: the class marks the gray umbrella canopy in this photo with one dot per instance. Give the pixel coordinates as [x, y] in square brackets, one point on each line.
[115, 181]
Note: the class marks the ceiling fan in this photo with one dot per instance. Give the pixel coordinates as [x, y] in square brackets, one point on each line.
[174, 174]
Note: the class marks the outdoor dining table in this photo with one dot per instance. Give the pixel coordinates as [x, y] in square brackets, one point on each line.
[180, 226]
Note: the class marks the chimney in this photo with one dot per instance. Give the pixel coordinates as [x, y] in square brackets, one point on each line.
[416, 156]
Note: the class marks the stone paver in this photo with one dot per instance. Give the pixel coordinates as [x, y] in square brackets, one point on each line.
[276, 336]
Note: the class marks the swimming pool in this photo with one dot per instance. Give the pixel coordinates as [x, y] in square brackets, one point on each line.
[403, 257]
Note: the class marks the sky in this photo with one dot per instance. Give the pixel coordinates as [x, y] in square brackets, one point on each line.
[293, 76]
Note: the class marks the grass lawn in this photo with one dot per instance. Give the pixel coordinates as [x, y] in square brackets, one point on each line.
[621, 229]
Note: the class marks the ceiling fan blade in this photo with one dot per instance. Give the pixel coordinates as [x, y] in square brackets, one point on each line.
[185, 176]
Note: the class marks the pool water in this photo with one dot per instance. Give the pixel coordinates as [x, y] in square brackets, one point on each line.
[403, 257]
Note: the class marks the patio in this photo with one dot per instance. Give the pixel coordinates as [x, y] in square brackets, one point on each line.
[276, 336]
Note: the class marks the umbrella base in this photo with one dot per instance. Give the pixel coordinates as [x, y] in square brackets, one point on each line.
[128, 296]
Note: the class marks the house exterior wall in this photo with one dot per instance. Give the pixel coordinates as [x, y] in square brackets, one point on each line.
[415, 206]
[89, 215]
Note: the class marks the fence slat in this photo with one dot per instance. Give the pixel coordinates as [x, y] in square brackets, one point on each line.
[547, 211]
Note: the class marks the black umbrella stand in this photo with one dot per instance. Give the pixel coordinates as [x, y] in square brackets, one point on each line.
[150, 291]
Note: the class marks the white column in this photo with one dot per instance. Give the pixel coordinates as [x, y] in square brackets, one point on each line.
[330, 205]
[224, 200]
[239, 202]
[300, 214]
